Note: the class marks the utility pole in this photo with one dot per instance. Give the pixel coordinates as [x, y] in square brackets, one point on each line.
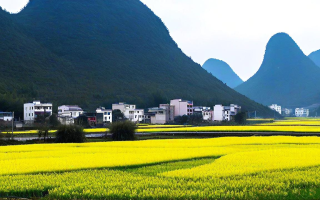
[12, 120]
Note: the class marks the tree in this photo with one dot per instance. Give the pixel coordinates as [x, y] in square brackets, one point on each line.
[122, 131]
[117, 115]
[53, 121]
[195, 119]
[70, 134]
[241, 118]
[181, 119]
[82, 121]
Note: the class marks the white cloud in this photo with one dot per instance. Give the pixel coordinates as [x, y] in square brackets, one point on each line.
[13, 6]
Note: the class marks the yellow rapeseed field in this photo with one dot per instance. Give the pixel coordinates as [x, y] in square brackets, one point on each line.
[279, 167]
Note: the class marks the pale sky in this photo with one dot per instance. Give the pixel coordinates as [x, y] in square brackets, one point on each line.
[231, 30]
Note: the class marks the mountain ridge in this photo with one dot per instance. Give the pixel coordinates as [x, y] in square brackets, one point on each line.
[115, 51]
[315, 57]
[223, 72]
[286, 76]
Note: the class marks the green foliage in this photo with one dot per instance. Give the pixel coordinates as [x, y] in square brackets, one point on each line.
[195, 119]
[240, 118]
[82, 121]
[117, 115]
[100, 52]
[122, 131]
[70, 134]
[53, 121]
[181, 119]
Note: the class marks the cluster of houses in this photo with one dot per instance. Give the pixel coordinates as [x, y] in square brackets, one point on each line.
[298, 112]
[165, 113]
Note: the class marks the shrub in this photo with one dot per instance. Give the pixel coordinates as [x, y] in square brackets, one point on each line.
[241, 118]
[122, 131]
[70, 134]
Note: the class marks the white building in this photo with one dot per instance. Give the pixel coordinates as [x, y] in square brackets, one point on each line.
[169, 111]
[66, 120]
[130, 111]
[276, 107]
[157, 115]
[301, 112]
[34, 109]
[204, 111]
[286, 112]
[225, 113]
[6, 116]
[73, 111]
[182, 107]
[107, 114]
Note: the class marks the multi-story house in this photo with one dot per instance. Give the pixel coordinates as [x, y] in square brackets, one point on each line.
[169, 112]
[276, 107]
[6, 116]
[301, 112]
[34, 109]
[130, 111]
[73, 111]
[156, 116]
[225, 113]
[182, 107]
[107, 114]
[204, 111]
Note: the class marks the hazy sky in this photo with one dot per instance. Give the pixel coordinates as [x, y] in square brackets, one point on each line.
[231, 30]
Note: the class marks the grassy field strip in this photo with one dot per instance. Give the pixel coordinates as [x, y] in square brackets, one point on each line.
[292, 123]
[296, 129]
[302, 118]
[102, 130]
[254, 128]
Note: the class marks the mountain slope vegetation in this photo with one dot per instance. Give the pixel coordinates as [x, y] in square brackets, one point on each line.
[99, 52]
[286, 76]
[222, 71]
[27, 69]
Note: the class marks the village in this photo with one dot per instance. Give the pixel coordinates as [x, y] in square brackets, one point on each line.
[286, 112]
[164, 114]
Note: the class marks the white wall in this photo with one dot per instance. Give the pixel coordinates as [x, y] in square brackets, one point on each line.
[218, 113]
[107, 114]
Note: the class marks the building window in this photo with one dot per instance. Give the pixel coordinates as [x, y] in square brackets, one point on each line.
[105, 113]
[109, 113]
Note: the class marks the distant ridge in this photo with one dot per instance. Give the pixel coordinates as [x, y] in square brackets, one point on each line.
[315, 57]
[286, 76]
[223, 72]
[95, 53]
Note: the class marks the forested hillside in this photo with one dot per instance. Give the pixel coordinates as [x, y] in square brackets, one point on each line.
[99, 52]
[28, 70]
